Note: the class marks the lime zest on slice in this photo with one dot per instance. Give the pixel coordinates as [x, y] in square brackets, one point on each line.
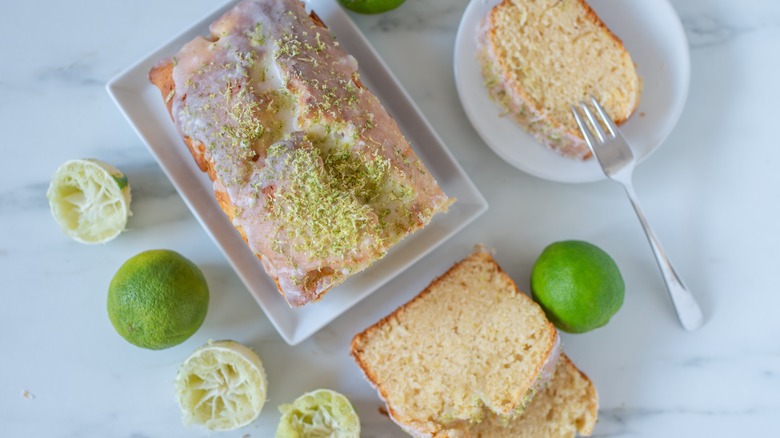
[221, 386]
[320, 413]
[90, 199]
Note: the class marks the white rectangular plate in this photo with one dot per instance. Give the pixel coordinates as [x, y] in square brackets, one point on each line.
[143, 106]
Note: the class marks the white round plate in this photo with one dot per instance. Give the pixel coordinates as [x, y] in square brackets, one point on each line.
[652, 33]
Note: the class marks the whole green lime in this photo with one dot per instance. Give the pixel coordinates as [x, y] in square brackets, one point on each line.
[578, 285]
[157, 299]
[371, 6]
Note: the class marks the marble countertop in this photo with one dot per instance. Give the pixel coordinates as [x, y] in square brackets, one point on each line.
[711, 192]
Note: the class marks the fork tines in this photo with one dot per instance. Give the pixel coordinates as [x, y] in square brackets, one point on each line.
[597, 130]
[604, 120]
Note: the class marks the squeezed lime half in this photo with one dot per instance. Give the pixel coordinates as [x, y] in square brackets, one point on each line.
[90, 200]
[221, 386]
[322, 413]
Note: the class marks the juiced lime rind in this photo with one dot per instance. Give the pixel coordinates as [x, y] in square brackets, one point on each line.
[157, 299]
[221, 386]
[90, 200]
[121, 180]
[322, 413]
[371, 6]
[595, 268]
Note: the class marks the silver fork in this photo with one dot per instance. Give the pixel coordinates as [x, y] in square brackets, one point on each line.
[617, 161]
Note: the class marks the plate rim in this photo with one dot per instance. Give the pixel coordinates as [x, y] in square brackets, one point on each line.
[595, 173]
[472, 207]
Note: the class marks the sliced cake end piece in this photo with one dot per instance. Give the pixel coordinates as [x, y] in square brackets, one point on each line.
[470, 343]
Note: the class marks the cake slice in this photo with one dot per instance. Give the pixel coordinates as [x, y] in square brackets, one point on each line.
[539, 57]
[305, 161]
[470, 343]
[566, 407]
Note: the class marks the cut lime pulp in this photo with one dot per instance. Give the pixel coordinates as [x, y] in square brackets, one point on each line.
[322, 413]
[90, 200]
[221, 386]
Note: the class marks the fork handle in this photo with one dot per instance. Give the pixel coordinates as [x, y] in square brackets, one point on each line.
[688, 311]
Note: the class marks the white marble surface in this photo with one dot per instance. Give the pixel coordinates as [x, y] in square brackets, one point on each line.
[711, 191]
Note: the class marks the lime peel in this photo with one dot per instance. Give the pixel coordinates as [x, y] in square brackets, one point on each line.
[319, 413]
[157, 299]
[121, 180]
[90, 200]
[371, 6]
[578, 285]
[221, 386]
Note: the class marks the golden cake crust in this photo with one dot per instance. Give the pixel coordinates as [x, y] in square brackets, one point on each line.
[517, 398]
[614, 82]
[305, 162]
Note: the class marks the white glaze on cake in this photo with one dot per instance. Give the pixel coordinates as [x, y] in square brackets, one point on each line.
[320, 179]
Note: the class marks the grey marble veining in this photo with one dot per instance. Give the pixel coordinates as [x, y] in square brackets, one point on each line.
[711, 191]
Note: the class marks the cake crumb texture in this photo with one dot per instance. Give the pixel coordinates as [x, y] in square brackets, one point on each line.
[470, 344]
[567, 406]
[540, 57]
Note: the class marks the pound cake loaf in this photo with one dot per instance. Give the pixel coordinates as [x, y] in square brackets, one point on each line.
[566, 407]
[306, 163]
[540, 57]
[469, 344]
